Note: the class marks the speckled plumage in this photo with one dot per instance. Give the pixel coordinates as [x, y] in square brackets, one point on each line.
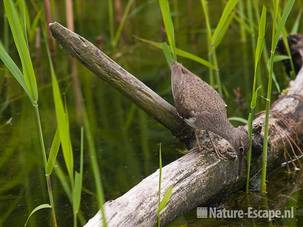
[201, 106]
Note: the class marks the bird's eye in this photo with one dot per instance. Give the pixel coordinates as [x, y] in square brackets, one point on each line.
[241, 149]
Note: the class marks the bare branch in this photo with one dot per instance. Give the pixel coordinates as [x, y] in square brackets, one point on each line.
[108, 70]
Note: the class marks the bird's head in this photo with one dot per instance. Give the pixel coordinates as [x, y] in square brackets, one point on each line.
[177, 69]
[241, 141]
[295, 44]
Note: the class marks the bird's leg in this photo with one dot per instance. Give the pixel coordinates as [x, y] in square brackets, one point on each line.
[218, 153]
[197, 140]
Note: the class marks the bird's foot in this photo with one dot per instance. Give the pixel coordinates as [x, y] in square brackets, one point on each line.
[218, 153]
[199, 145]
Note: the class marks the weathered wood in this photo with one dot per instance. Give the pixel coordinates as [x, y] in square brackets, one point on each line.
[197, 177]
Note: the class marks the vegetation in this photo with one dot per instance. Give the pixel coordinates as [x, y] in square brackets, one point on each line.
[119, 138]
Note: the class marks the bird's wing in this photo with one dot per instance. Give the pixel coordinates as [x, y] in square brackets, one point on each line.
[211, 121]
[207, 97]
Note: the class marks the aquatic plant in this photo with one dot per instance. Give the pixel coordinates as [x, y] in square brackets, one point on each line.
[27, 80]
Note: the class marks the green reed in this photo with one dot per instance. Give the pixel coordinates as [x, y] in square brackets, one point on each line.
[26, 79]
[277, 28]
[64, 135]
[242, 21]
[265, 55]
[111, 19]
[214, 38]
[159, 186]
[118, 33]
[171, 51]
[162, 202]
[258, 53]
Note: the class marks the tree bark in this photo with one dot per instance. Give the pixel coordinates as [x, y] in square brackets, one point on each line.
[198, 177]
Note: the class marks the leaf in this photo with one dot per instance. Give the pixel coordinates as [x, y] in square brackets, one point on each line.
[13, 68]
[261, 38]
[278, 57]
[165, 198]
[238, 119]
[179, 52]
[62, 121]
[53, 154]
[168, 24]
[185, 54]
[223, 23]
[122, 23]
[23, 12]
[63, 125]
[167, 53]
[77, 192]
[281, 22]
[63, 180]
[40, 207]
[22, 48]
[78, 180]
[295, 27]
[33, 28]
[254, 98]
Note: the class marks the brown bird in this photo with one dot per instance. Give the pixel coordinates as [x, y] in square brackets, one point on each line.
[295, 44]
[202, 107]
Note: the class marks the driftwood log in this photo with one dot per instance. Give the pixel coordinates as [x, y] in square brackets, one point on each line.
[198, 177]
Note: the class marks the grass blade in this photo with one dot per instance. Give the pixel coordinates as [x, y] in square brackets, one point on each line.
[122, 23]
[167, 53]
[19, 38]
[295, 27]
[185, 54]
[159, 186]
[258, 52]
[77, 193]
[111, 19]
[13, 68]
[261, 38]
[33, 28]
[278, 58]
[281, 22]
[276, 32]
[168, 24]
[165, 198]
[40, 207]
[62, 122]
[78, 182]
[53, 154]
[62, 125]
[238, 119]
[179, 52]
[223, 23]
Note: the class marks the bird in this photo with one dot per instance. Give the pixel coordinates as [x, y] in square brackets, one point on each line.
[295, 44]
[202, 108]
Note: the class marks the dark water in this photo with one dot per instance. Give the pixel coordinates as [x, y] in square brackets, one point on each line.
[126, 138]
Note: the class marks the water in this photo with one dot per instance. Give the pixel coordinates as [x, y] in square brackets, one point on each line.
[126, 138]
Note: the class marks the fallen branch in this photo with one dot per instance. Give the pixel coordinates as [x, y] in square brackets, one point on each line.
[197, 177]
[108, 70]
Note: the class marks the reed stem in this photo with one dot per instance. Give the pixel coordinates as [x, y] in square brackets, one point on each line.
[48, 180]
[266, 125]
[250, 118]
[159, 186]
[95, 167]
